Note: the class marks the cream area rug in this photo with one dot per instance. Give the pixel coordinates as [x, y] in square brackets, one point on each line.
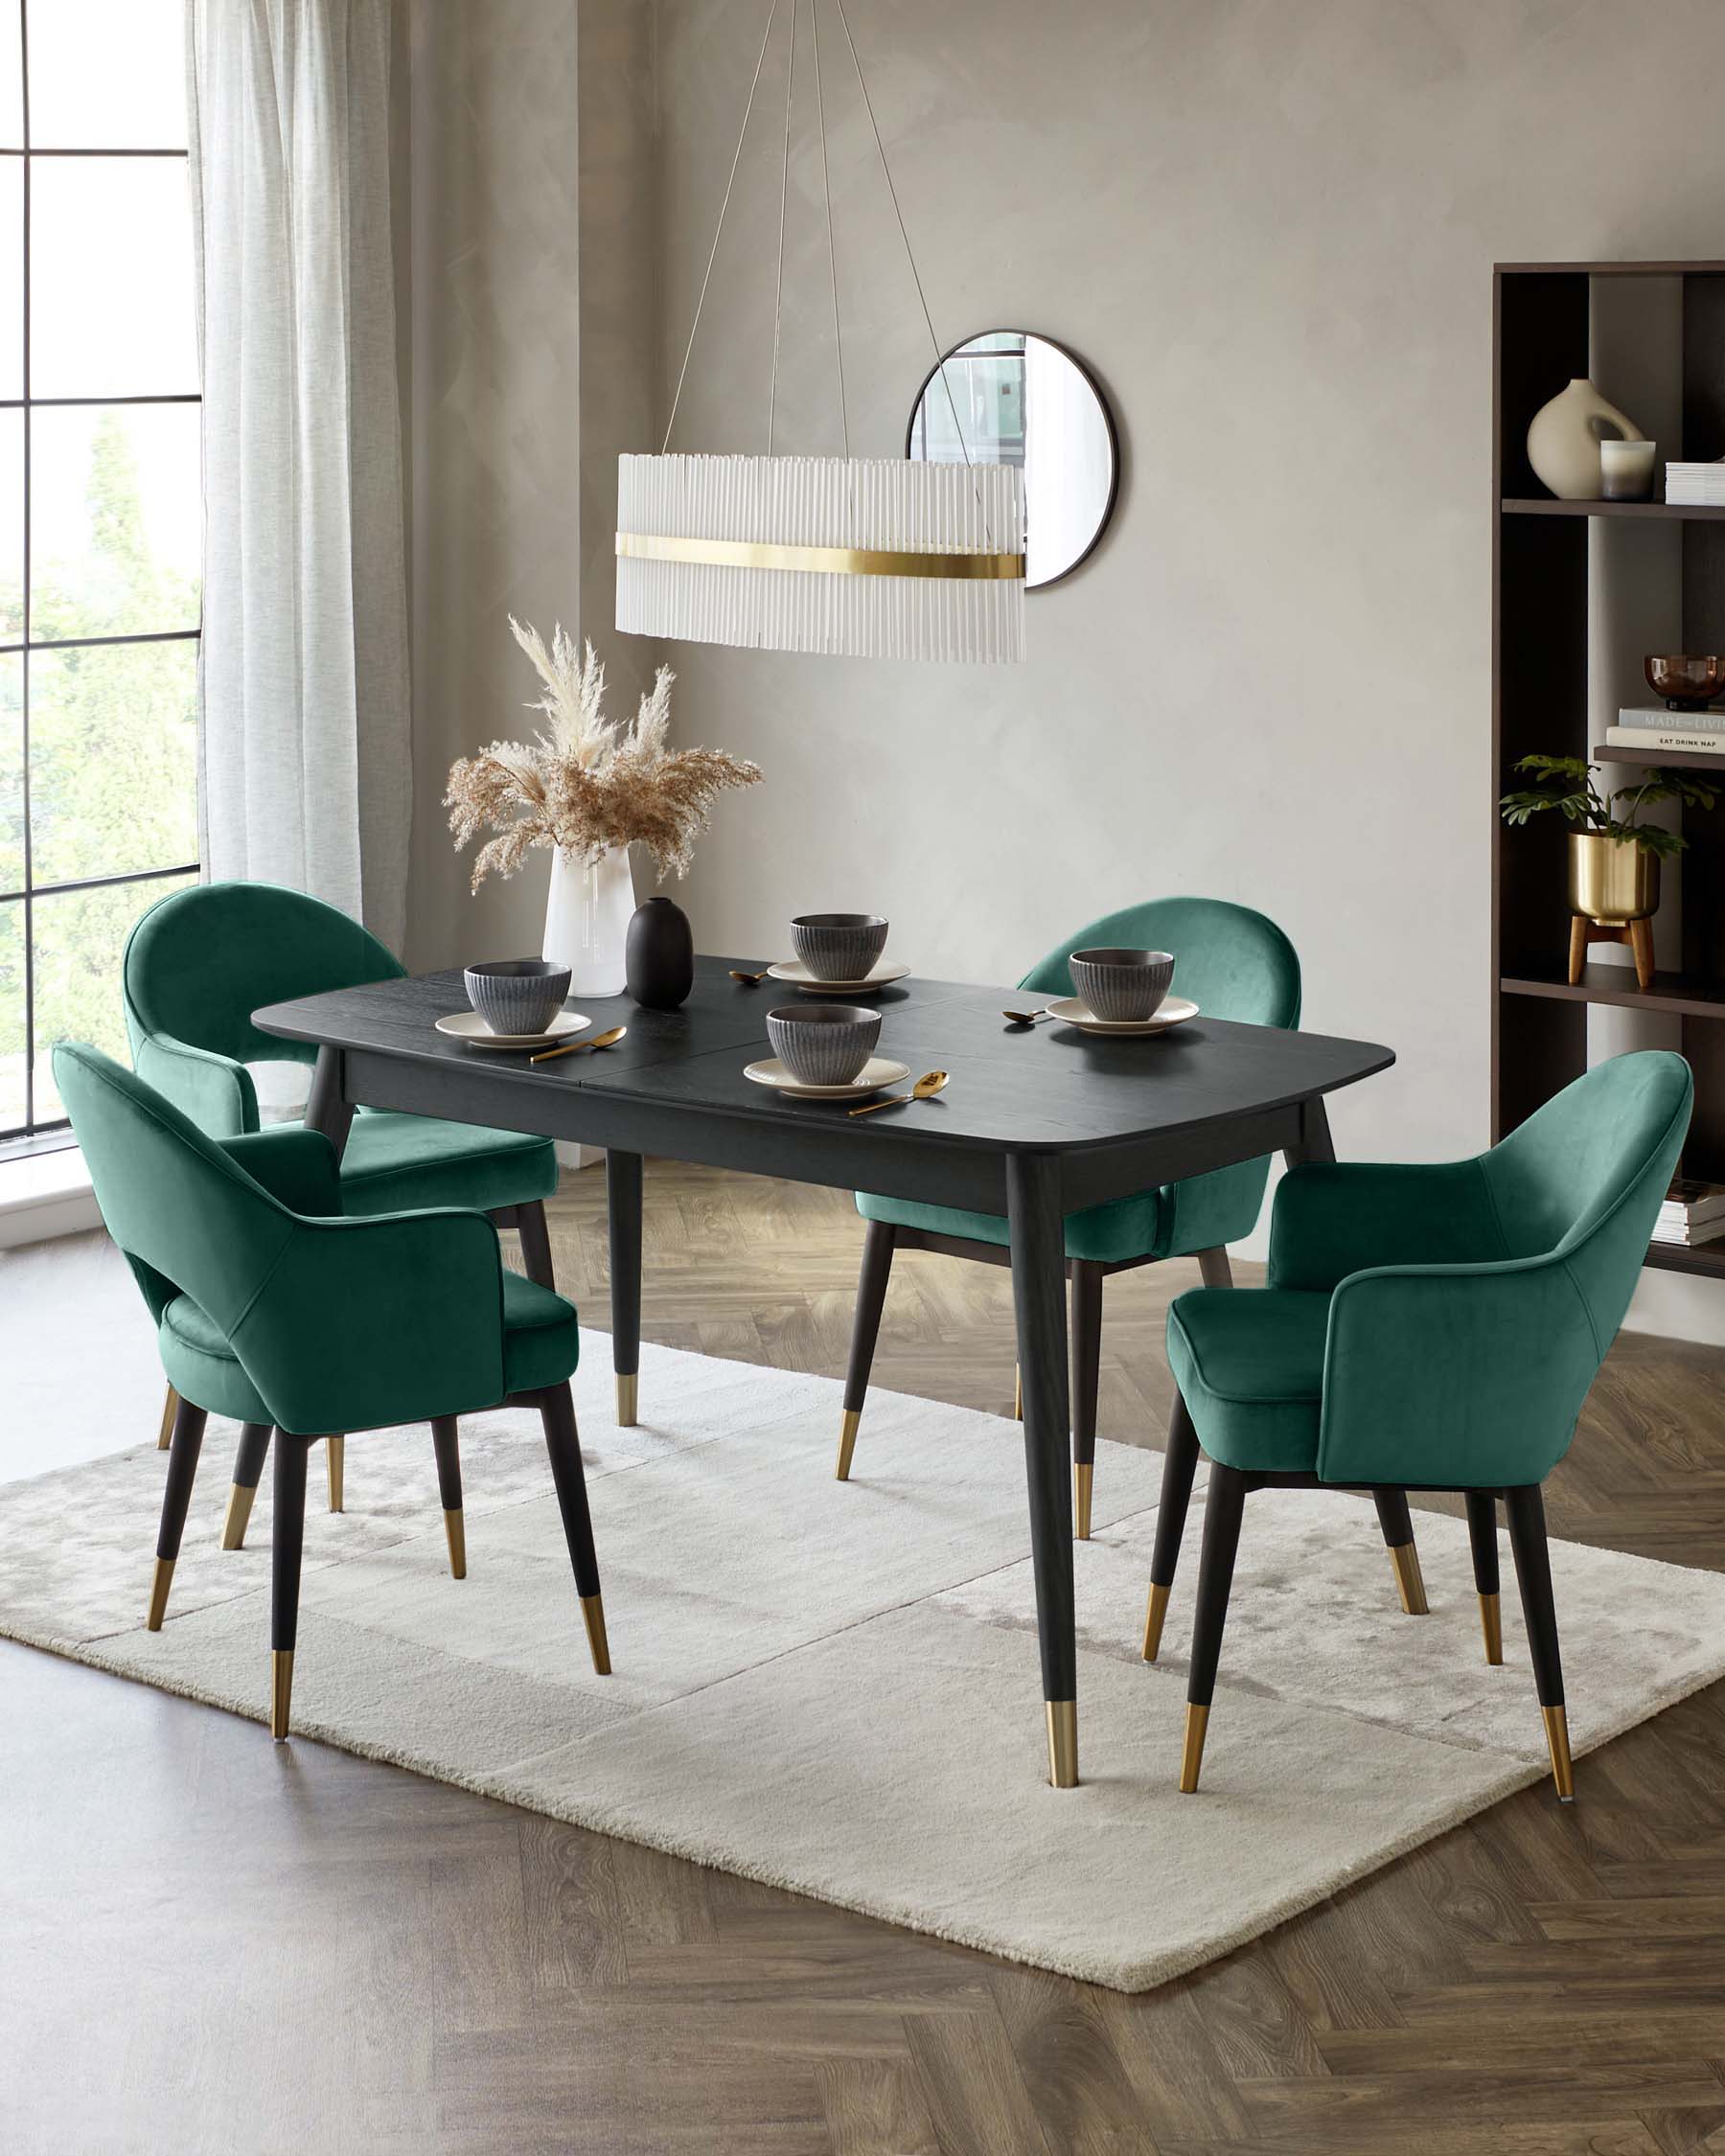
[835, 1689]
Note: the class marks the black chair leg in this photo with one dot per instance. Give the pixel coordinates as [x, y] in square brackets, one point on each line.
[535, 1242]
[562, 1443]
[1397, 1524]
[865, 1329]
[1481, 1533]
[446, 1442]
[248, 1473]
[1224, 1505]
[1180, 1463]
[1086, 1384]
[1525, 1508]
[288, 1536]
[177, 1495]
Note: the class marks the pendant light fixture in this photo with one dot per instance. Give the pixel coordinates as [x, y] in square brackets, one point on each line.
[866, 557]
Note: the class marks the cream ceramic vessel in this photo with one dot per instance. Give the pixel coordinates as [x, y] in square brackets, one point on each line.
[1563, 441]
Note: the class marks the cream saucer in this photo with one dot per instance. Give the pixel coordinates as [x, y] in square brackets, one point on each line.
[876, 1073]
[797, 976]
[470, 1028]
[1172, 1010]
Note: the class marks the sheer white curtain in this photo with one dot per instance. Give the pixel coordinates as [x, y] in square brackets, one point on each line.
[304, 745]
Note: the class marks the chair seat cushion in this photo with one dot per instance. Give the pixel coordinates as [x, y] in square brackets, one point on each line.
[541, 1339]
[541, 1345]
[1250, 1366]
[1112, 1234]
[403, 1163]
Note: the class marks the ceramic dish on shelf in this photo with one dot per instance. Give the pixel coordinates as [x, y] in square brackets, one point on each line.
[1172, 1010]
[796, 975]
[468, 1026]
[876, 1073]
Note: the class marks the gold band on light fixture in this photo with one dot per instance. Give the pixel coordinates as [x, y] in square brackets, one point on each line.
[822, 561]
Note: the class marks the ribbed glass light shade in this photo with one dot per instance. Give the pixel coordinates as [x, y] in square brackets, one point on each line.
[871, 557]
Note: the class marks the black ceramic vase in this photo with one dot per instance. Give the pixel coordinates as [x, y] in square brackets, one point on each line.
[659, 956]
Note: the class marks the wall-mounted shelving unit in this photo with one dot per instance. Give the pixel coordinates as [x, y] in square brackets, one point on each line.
[1546, 319]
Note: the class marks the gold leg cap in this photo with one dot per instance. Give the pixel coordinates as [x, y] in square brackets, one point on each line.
[238, 1512]
[1563, 1772]
[158, 1594]
[1153, 1621]
[1063, 1743]
[1018, 1393]
[1082, 1474]
[170, 1409]
[335, 1458]
[1491, 1628]
[847, 1442]
[592, 1614]
[629, 1390]
[1191, 1759]
[455, 1532]
[1410, 1584]
[281, 1692]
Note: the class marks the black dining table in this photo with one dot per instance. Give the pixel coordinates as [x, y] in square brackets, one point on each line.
[1036, 1122]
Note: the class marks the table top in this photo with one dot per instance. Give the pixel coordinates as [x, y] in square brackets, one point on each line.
[1042, 1088]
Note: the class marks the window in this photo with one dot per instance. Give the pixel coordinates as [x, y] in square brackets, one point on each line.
[101, 518]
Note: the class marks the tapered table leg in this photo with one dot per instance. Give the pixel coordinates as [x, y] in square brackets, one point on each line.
[1314, 1142]
[623, 1204]
[325, 1109]
[1039, 1298]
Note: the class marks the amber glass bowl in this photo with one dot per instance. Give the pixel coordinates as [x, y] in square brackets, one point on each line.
[1686, 684]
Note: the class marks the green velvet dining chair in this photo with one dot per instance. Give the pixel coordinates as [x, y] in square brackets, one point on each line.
[1234, 964]
[274, 1308]
[1430, 1327]
[196, 966]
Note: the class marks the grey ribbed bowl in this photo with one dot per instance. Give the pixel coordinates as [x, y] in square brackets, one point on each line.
[517, 995]
[823, 1043]
[839, 945]
[1121, 986]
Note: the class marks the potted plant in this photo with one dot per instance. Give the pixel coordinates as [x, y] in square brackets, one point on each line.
[587, 788]
[1614, 857]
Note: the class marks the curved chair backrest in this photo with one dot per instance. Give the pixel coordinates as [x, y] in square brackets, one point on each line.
[186, 1216]
[198, 964]
[1234, 962]
[1584, 1174]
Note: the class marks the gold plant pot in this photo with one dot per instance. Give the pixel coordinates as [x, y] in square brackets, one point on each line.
[1611, 881]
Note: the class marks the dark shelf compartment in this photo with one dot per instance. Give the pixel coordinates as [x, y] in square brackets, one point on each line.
[1705, 1258]
[1676, 994]
[1669, 512]
[1678, 759]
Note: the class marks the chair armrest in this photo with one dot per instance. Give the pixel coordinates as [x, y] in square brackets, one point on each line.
[295, 1166]
[1467, 1376]
[1335, 1218]
[369, 1321]
[214, 1090]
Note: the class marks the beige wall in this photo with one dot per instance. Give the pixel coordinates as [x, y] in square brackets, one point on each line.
[1270, 229]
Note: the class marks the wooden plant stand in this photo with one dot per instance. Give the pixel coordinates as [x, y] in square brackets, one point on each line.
[1637, 934]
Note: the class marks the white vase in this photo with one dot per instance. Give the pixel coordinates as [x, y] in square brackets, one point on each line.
[588, 912]
[1563, 441]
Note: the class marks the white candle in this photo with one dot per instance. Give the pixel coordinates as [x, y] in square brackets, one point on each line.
[1626, 470]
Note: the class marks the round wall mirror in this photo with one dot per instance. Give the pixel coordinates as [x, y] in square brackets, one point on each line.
[1010, 398]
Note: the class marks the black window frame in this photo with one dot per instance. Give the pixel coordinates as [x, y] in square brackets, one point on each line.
[33, 1134]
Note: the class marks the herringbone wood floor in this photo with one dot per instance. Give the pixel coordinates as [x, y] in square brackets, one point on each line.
[210, 1942]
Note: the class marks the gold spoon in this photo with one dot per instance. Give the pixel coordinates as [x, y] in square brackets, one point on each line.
[598, 1041]
[751, 980]
[1026, 1018]
[931, 1082]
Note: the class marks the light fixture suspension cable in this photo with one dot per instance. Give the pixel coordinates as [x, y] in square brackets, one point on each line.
[909, 256]
[778, 285]
[719, 229]
[826, 191]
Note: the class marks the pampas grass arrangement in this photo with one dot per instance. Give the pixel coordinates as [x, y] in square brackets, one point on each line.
[585, 784]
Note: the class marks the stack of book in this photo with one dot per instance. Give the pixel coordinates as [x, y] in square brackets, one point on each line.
[1692, 1213]
[1696, 486]
[1651, 727]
